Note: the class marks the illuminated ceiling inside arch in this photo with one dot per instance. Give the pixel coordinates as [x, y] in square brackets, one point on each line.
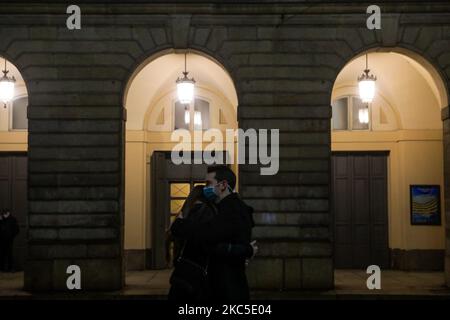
[391, 68]
[437, 88]
[404, 82]
[158, 77]
[13, 71]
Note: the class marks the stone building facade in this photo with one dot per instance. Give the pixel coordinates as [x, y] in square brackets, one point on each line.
[283, 58]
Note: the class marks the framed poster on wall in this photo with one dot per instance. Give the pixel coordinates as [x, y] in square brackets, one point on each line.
[425, 204]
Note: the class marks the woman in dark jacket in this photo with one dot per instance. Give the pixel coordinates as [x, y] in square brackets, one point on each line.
[191, 257]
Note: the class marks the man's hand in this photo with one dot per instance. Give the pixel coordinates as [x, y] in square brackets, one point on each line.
[255, 251]
[254, 247]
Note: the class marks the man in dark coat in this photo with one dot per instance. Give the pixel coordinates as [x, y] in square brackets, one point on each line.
[9, 229]
[232, 224]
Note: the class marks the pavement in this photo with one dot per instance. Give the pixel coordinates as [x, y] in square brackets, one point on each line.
[349, 284]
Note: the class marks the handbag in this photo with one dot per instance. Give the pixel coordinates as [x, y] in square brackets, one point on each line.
[190, 276]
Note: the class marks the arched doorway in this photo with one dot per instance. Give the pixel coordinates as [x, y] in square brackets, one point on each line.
[13, 160]
[155, 188]
[379, 161]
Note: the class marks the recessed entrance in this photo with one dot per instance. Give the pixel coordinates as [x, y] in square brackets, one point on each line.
[13, 196]
[155, 186]
[381, 148]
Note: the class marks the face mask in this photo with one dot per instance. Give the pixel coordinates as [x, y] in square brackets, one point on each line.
[209, 193]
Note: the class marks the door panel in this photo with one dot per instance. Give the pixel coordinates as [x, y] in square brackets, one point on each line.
[360, 209]
[159, 211]
[13, 195]
[168, 193]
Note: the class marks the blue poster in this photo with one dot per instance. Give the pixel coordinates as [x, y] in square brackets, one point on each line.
[425, 205]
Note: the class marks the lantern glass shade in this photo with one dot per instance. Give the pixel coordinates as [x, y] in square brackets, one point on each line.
[363, 115]
[6, 90]
[197, 120]
[367, 90]
[185, 91]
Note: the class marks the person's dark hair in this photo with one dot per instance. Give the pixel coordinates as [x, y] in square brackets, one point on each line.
[195, 195]
[224, 173]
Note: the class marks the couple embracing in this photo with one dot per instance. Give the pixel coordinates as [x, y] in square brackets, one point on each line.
[213, 240]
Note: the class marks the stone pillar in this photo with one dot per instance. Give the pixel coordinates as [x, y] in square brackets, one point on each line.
[75, 198]
[292, 210]
[76, 172]
[280, 88]
[446, 138]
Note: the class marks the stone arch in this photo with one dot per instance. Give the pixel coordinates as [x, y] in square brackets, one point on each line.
[425, 44]
[16, 67]
[14, 153]
[140, 99]
[434, 71]
[148, 57]
[149, 60]
[428, 71]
